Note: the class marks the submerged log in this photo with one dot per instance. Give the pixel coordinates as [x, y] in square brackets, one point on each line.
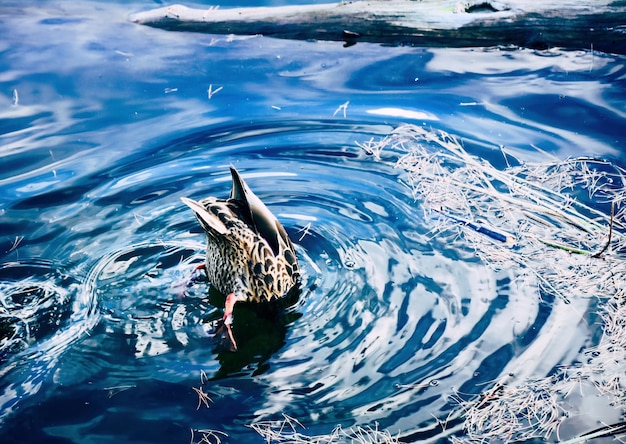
[597, 25]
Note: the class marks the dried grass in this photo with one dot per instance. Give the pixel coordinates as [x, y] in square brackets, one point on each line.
[287, 431]
[528, 215]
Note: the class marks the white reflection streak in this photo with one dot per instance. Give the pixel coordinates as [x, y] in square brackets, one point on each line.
[401, 112]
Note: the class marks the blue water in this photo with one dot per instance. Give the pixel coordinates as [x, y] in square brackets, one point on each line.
[112, 124]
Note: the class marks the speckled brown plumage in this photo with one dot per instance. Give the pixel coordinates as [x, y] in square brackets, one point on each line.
[248, 251]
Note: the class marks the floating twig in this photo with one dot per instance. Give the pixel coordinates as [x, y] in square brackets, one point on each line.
[608, 241]
[118, 389]
[480, 228]
[344, 108]
[203, 398]
[211, 92]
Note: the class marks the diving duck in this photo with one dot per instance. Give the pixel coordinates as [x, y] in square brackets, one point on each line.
[249, 256]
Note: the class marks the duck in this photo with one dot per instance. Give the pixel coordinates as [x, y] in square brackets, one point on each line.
[249, 255]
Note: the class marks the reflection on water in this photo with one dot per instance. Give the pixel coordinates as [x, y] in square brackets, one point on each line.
[102, 338]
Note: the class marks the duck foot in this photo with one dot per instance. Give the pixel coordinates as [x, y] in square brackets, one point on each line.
[232, 338]
[194, 274]
[184, 285]
[225, 337]
[228, 317]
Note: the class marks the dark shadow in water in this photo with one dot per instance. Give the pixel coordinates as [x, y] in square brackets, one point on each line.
[259, 330]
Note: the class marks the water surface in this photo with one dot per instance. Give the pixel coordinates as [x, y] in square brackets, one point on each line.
[112, 123]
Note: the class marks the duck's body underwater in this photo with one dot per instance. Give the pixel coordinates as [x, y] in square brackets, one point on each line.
[249, 256]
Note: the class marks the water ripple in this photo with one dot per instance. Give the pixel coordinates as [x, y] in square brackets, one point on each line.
[393, 323]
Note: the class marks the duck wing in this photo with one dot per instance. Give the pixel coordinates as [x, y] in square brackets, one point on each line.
[209, 221]
[260, 218]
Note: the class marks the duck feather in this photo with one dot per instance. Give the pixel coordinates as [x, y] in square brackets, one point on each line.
[248, 250]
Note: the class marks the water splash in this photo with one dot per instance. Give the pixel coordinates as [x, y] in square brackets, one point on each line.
[43, 310]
